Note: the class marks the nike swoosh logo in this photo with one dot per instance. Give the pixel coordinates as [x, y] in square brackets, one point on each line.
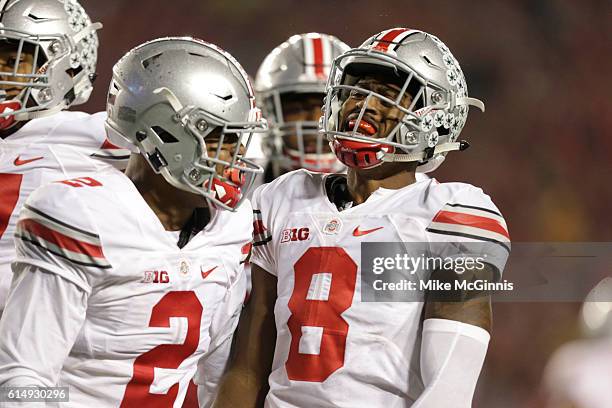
[208, 272]
[358, 233]
[19, 162]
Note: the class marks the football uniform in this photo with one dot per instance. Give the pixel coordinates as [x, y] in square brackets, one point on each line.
[58, 147]
[133, 314]
[332, 348]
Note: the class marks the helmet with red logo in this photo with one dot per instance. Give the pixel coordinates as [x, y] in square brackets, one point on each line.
[300, 66]
[429, 124]
[59, 41]
[169, 99]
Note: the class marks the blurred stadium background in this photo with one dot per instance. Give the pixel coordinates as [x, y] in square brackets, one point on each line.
[542, 149]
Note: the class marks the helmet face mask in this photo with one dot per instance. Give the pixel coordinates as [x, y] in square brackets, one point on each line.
[297, 71]
[294, 140]
[60, 41]
[195, 137]
[420, 65]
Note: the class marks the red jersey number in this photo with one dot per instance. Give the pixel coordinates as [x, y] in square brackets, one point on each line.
[320, 313]
[82, 182]
[170, 356]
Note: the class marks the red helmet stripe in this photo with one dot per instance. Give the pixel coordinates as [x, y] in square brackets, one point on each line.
[388, 38]
[317, 47]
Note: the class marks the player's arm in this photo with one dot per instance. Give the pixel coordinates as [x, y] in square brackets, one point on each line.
[457, 322]
[42, 319]
[246, 382]
[455, 339]
[58, 260]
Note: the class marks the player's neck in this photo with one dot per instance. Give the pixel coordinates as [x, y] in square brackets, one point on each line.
[361, 186]
[172, 206]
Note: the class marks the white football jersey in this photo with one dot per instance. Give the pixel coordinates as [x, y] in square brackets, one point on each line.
[133, 315]
[58, 147]
[332, 349]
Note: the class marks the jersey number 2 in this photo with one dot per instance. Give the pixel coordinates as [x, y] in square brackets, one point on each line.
[168, 356]
[313, 309]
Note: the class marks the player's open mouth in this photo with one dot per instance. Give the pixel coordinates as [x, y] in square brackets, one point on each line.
[364, 127]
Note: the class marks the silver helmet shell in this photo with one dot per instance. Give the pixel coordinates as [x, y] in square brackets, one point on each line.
[300, 65]
[432, 123]
[64, 43]
[167, 96]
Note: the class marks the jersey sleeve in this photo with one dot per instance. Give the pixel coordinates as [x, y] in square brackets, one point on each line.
[57, 234]
[469, 225]
[87, 134]
[41, 321]
[263, 229]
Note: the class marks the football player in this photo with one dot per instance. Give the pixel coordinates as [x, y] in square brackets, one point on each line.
[290, 87]
[394, 105]
[48, 54]
[126, 283]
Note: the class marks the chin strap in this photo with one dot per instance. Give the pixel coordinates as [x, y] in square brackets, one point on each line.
[477, 103]
[41, 114]
[322, 163]
[427, 153]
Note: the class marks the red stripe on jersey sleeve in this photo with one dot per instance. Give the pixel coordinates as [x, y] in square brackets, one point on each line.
[108, 145]
[258, 227]
[470, 220]
[61, 240]
[383, 43]
[317, 46]
[246, 248]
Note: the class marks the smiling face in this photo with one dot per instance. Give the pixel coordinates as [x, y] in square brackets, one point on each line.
[380, 117]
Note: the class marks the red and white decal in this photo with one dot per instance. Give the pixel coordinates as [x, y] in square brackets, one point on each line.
[388, 40]
[317, 56]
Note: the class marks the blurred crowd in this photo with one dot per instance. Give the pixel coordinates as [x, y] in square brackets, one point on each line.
[541, 150]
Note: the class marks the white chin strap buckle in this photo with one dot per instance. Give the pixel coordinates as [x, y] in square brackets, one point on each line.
[427, 153]
[477, 103]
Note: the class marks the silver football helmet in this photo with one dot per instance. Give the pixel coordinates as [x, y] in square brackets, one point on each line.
[62, 40]
[170, 97]
[430, 124]
[300, 65]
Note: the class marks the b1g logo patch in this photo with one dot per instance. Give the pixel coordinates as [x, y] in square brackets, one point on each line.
[155, 277]
[295, 234]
